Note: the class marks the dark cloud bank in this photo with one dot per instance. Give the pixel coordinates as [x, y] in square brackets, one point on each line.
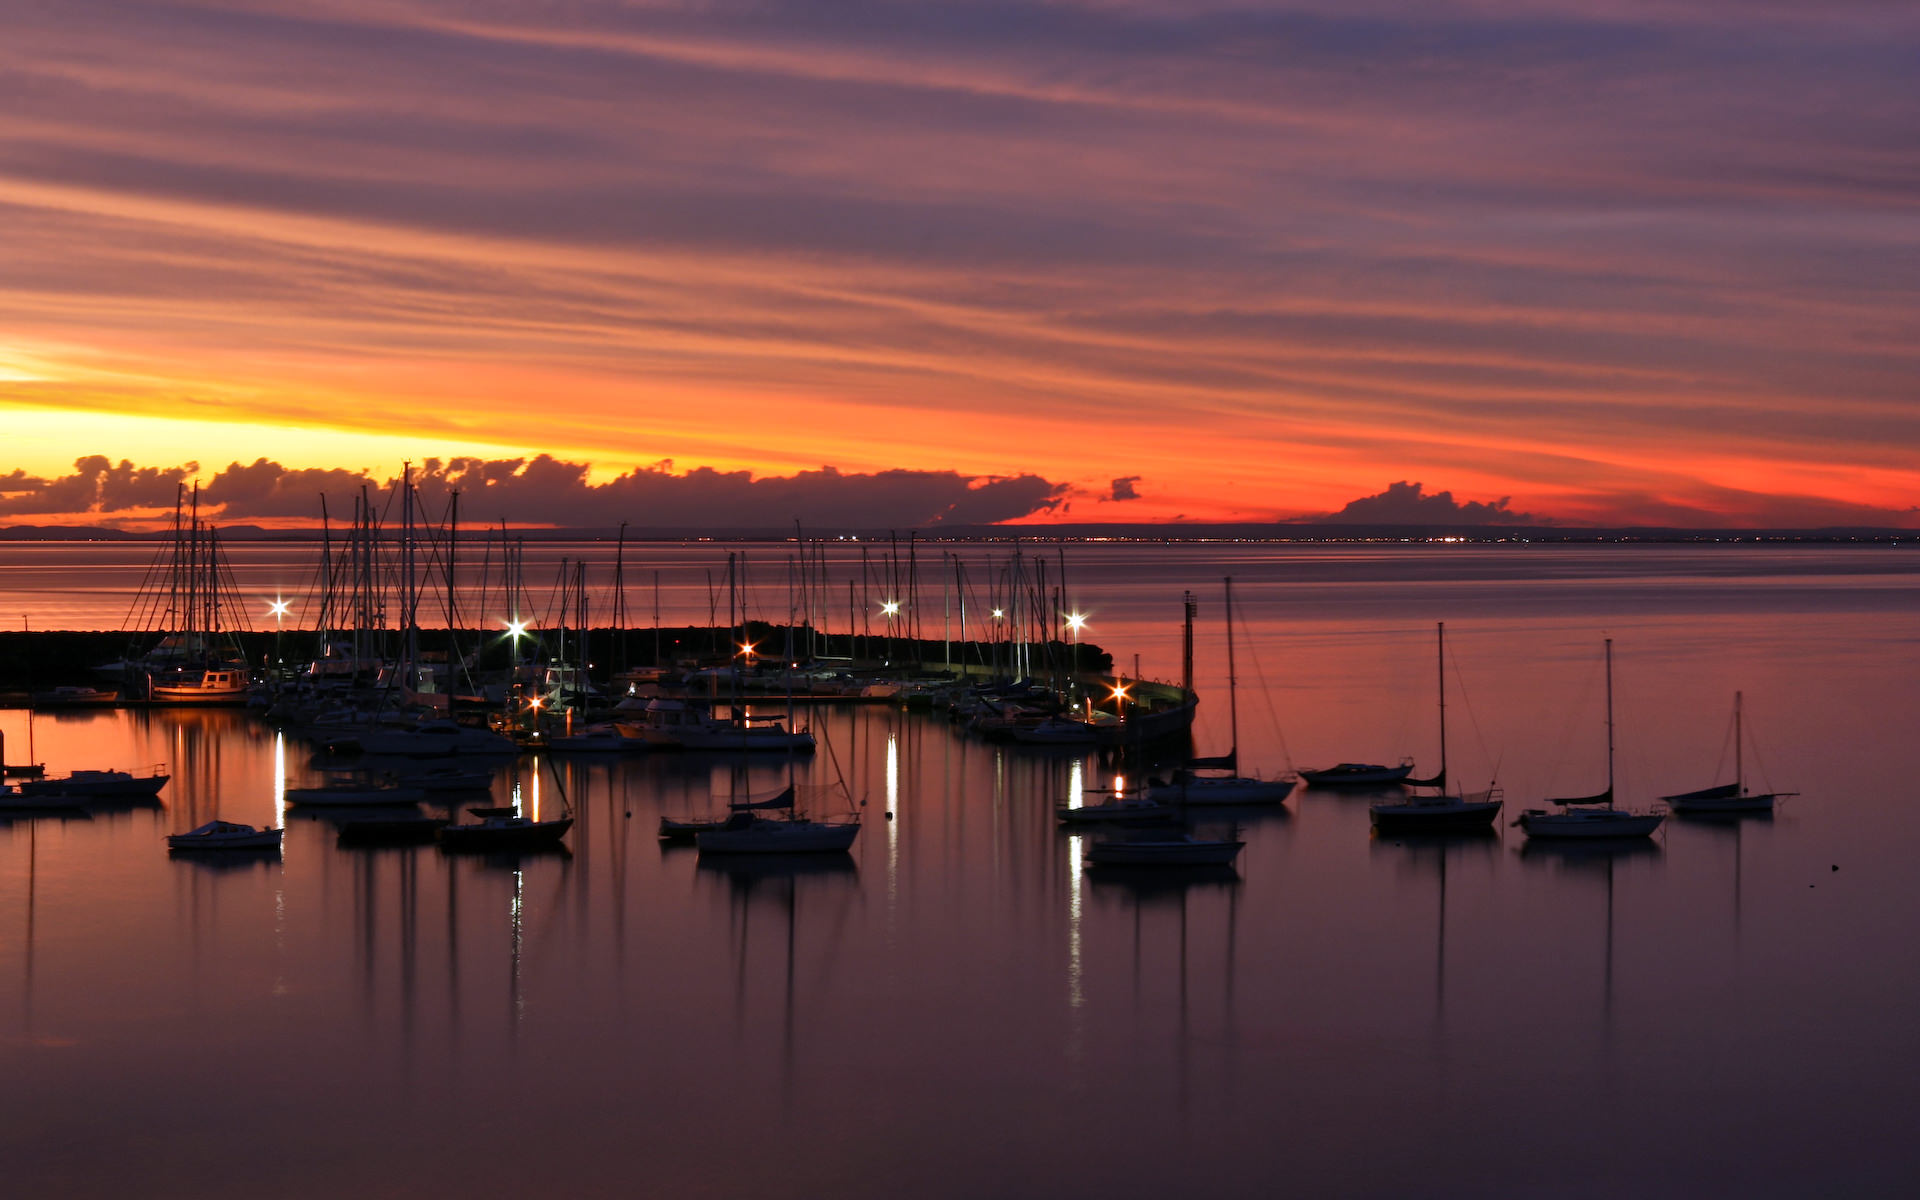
[1406, 503]
[547, 491]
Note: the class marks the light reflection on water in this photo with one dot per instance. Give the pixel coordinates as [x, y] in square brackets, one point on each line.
[969, 1012]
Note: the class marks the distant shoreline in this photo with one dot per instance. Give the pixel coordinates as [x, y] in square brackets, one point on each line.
[1290, 533]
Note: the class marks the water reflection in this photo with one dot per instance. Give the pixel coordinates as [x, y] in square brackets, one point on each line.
[774, 887]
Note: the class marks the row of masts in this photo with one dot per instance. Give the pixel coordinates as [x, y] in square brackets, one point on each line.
[373, 594]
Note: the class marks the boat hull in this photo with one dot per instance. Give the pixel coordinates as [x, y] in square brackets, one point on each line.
[103, 785]
[779, 837]
[239, 838]
[1357, 776]
[1171, 853]
[1463, 817]
[513, 834]
[1593, 825]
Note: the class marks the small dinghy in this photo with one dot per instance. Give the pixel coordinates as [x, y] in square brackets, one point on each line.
[225, 835]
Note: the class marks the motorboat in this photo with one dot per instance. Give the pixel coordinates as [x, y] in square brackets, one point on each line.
[225, 835]
[215, 684]
[99, 785]
[1150, 849]
[1349, 774]
[504, 832]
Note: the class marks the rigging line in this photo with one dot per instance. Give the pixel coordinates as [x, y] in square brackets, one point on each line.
[1266, 694]
[1726, 750]
[1466, 702]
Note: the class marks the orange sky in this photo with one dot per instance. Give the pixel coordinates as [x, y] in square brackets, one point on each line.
[1582, 257]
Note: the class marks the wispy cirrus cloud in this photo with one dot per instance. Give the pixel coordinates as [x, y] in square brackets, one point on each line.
[1671, 249]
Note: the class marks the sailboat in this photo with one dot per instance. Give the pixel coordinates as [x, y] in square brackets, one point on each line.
[1728, 797]
[1189, 786]
[1441, 812]
[1592, 816]
[745, 831]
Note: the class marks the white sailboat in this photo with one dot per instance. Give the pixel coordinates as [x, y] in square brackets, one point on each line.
[1727, 798]
[1444, 811]
[1592, 816]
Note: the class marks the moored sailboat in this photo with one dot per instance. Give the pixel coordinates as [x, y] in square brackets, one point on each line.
[1444, 811]
[1592, 816]
[1218, 781]
[1727, 798]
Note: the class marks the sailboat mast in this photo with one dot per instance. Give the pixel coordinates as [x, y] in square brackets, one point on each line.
[1609, 721]
[1233, 684]
[1440, 632]
[1739, 764]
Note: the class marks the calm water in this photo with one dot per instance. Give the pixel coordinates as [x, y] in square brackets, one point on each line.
[960, 1010]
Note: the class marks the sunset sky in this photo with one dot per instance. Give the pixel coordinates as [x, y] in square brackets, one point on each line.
[1633, 262]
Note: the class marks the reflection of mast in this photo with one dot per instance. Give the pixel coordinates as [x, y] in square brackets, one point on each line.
[1607, 1001]
[1440, 954]
[33, 860]
[786, 1033]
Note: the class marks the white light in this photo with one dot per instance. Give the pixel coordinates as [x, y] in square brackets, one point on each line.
[1076, 621]
[891, 607]
[515, 628]
[279, 608]
[999, 614]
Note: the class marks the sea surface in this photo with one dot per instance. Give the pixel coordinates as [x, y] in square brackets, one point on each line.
[959, 1008]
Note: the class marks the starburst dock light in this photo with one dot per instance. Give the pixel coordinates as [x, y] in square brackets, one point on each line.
[279, 609]
[891, 608]
[1076, 621]
[515, 629]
